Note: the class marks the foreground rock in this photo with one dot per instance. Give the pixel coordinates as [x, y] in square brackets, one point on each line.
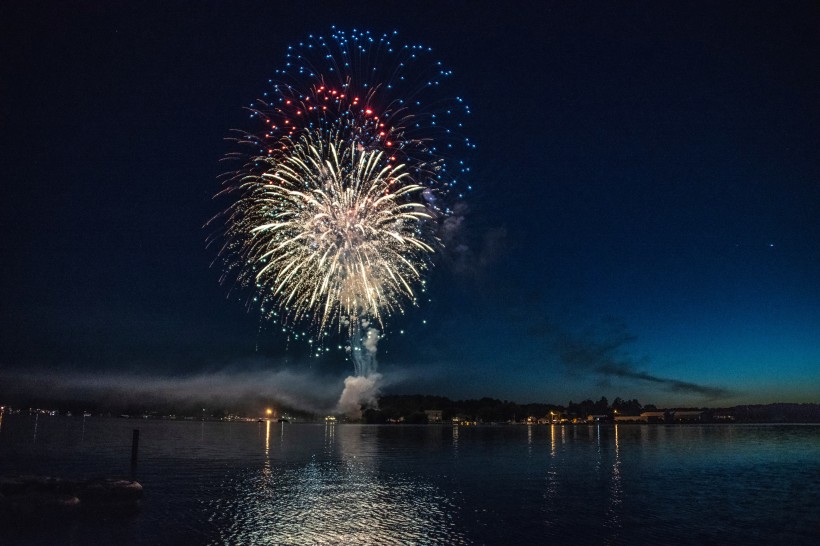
[40, 495]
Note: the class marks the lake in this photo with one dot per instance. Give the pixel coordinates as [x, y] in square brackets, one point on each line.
[275, 483]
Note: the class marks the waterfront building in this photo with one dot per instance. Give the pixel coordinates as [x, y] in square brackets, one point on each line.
[433, 416]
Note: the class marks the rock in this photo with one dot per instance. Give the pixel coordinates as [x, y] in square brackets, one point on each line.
[35, 503]
[36, 496]
[110, 491]
[13, 485]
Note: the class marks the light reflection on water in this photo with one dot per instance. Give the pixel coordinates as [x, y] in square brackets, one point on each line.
[277, 483]
[613, 522]
[336, 497]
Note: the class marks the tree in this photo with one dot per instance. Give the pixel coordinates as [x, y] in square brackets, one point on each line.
[627, 407]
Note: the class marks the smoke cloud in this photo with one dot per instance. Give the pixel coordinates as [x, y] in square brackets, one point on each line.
[359, 391]
[362, 349]
[606, 356]
[239, 390]
[470, 251]
[362, 389]
[371, 341]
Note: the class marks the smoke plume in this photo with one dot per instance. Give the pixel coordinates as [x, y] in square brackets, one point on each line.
[604, 354]
[359, 391]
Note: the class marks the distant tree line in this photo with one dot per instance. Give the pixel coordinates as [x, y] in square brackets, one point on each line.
[411, 408]
[773, 413]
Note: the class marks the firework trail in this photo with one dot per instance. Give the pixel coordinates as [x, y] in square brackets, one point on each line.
[344, 183]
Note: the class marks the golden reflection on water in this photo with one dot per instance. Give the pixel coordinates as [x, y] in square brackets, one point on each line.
[267, 440]
[602, 455]
[553, 479]
[266, 466]
[616, 491]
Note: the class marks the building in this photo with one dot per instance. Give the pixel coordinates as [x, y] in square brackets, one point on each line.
[669, 416]
[653, 416]
[687, 416]
[433, 415]
[630, 419]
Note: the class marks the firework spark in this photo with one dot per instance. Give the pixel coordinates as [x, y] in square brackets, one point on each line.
[334, 215]
[334, 232]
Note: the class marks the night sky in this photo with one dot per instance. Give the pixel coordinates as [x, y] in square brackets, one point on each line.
[645, 221]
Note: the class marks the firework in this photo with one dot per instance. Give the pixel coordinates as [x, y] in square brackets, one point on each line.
[334, 214]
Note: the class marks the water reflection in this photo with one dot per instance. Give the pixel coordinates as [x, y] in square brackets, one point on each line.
[336, 494]
[598, 448]
[551, 492]
[353, 484]
[616, 493]
[266, 466]
[267, 440]
[330, 437]
[529, 440]
[590, 460]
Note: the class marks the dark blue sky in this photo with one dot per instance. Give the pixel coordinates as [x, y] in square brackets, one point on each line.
[646, 219]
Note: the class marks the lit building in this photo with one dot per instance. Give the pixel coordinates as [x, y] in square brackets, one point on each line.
[433, 415]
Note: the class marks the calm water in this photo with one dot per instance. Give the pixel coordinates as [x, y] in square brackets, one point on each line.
[271, 483]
